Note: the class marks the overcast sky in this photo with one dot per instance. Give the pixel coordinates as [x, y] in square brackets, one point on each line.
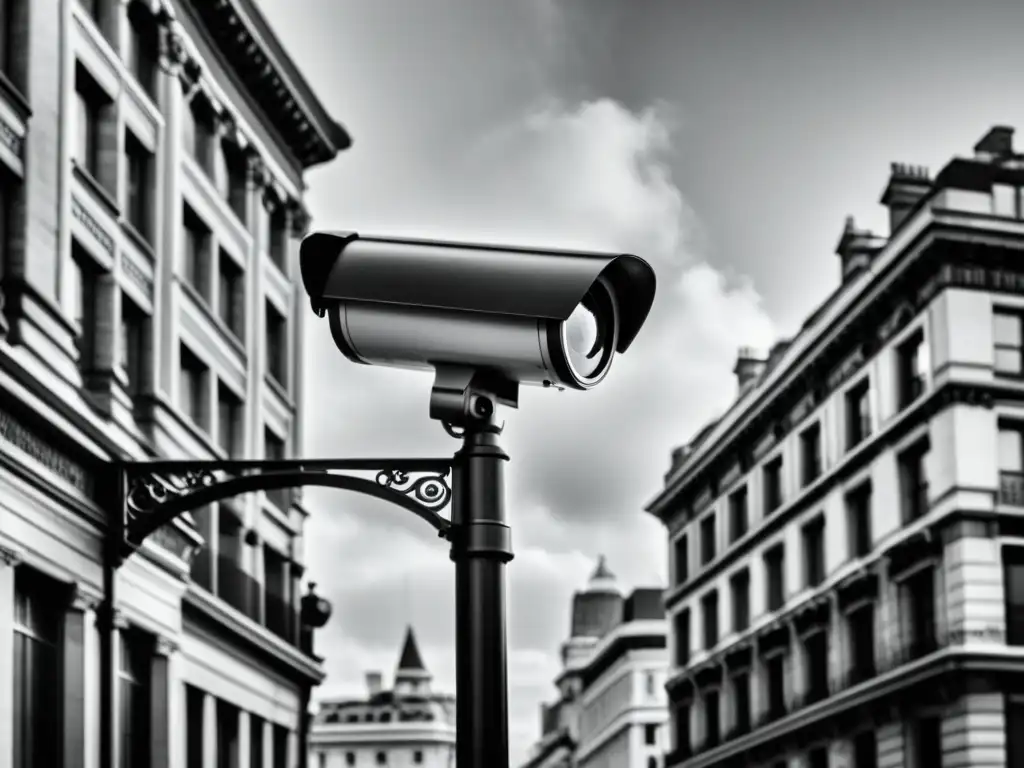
[723, 141]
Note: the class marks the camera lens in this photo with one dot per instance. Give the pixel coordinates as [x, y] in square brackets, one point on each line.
[583, 340]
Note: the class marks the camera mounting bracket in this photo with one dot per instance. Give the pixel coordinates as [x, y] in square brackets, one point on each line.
[465, 399]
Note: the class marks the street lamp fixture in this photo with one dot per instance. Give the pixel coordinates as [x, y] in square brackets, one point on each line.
[484, 319]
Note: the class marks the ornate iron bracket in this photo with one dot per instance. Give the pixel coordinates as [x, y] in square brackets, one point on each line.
[157, 492]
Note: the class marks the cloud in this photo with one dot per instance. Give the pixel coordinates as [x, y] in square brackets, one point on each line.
[583, 464]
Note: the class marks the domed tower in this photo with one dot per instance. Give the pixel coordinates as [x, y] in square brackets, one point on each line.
[595, 611]
[411, 676]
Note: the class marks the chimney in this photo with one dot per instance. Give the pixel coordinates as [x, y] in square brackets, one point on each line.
[997, 144]
[749, 366]
[856, 249]
[907, 185]
[374, 683]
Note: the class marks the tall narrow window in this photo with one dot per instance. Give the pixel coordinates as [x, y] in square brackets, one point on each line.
[280, 746]
[229, 420]
[913, 476]
[775, 685]
[1009, 342]
[227, 735]
[865, 750]
[775, 582]
[681, 553]
[861, 623]
[738, 514]
[139, 170]
[142, 46]
[858, 521]
[919, 600]
[682, 728]
[772, 485]
[274, 450]
[1011, 464]
[911, 368]
[277, 236]
[1013, 590]
[712, 717]
[927, 742]
[236, 187]
[813, 534]
[858, 414]
[231, 295]
[681, 632]
[194, 727]
[198, 128]
[256, 725]
[132, 344]
[37, 694]
[277, 345]
[810, 454]
[1014, 731]
[192, 391]
[708, 534]
[709, 614]
[741, 701]
[740, 587]
[80, 296]
[816, 666]
[91, 103]
[134, 676]
[195, 256]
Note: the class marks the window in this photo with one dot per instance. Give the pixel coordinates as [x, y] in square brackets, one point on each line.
[707, 539]
[772, 485]
[277, 345]
[142, 46]
[194, 257]
[681, 630]
[11, 12]
[775, 577]
[858, 414]
[810, 454]
[682, 558]
[80, 295]
[865, 750]
[816, 667]
[227, 735]
[738, 514]
[277, 236]
[236, 185]
[1009, 342]
[911, 365]
[919, 601]
[280, 746]
[91, 104]
[775, 684]
[914, 482]
[192, 396]
[132, 344]
[350, 758]
[229, 420]
[712, 718]
[813, 534]
[1013, 587]
[650, 684]
[861, 623]
[650, 734]
[194, 700]
[255, 741]
[1014, 724]
[417, 757]
[858, 521]
[382, 758]
[274, 450]
[37, 683]
[741, 701]
[322, 759]
[740, 586]
[138, 170]
[681, 725]
[652, 762]
[709, 610]
[927, 743]
[231, 295]
[818, 758]
[198, 132]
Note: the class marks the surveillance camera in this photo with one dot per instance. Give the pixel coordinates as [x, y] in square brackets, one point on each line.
[543, 317]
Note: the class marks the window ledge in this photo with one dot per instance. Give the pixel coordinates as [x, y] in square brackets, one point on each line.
[139, 239]
[98, 190]
[279, 389]
[15, 97]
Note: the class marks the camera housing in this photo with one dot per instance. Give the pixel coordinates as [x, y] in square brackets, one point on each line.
[542, 317]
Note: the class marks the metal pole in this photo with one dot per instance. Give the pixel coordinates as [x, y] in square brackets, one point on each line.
[106, 614]
[481, 546]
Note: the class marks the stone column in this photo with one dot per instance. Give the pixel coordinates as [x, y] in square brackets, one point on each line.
[166, 721]
[244, 722]
[209, 730]
[77, 691]
[292, 759]
[268, 745]
[9, 559]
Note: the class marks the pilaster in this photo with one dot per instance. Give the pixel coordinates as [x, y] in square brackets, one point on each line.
[166, 707]
[77, 689]
[9, 560]
[209, 730]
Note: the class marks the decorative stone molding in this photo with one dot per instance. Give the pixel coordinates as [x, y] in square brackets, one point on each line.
[134, 273]
[80, 600]
[271, 198]
[189, 74]
[15, 433]
[119, 621]
[300, 219]
[92, 226]
[9, 557]
[165, 646]
[256, 168]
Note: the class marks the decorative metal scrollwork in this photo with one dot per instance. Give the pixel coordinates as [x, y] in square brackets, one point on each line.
[147, 492]
[431, 491]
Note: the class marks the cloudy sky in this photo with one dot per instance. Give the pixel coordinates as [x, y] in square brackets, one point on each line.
[725, 142]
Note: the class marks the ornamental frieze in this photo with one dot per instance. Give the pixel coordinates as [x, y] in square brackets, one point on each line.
[92, 226]
[17, 434]
[11, 140]
[135, 275]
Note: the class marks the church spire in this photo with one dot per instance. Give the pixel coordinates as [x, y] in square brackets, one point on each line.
[411, 676]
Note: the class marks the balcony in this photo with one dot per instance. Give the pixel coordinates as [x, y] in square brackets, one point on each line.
[1011, 488]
